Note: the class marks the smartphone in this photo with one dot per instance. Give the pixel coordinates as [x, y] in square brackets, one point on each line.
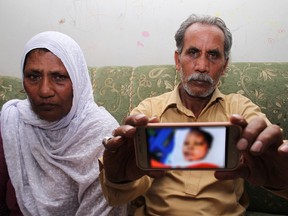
[207, 145]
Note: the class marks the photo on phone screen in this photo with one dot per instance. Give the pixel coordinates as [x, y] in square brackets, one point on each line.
[187, 147]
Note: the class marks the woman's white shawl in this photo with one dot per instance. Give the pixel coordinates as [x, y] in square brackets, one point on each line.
[54, 166]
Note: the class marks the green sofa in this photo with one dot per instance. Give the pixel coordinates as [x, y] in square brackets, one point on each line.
[120, 88]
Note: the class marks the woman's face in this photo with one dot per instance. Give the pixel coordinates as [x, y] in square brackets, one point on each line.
[48, 85]
[195, 146]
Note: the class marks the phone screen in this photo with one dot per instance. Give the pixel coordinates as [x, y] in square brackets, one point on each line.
[187, 147]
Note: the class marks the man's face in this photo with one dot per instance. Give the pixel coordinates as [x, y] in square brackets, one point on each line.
[48, 85]
[202, 60]
[195, 146]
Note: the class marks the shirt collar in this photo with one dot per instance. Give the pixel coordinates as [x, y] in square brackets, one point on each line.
[174, 100]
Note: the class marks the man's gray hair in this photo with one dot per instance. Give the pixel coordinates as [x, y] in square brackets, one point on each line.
[204, 19]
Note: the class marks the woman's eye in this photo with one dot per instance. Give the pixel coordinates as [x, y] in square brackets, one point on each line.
[32, 76]
[60, 77]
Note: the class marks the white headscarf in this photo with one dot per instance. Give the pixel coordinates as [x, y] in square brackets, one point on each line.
[53, 166]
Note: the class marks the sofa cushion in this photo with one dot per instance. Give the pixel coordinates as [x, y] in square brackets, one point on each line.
[153, 80]
[111, 89]
[265, 84]
[262, 201]
[10, 88]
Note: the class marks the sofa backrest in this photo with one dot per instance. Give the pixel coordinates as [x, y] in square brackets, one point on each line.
[120, 89]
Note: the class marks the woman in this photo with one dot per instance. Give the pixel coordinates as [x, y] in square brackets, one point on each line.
[52, 140]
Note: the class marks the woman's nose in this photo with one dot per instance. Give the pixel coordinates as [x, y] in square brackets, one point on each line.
[46, 88]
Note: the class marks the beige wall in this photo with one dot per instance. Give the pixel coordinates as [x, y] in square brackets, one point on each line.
[139, 32]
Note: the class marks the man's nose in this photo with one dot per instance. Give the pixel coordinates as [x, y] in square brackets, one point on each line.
[202, 64]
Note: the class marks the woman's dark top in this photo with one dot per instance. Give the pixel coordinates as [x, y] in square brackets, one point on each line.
[8, 201]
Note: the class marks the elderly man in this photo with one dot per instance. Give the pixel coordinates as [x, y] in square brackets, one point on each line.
[202, 55]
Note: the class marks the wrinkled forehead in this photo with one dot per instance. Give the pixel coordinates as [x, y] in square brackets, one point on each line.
[206, 33]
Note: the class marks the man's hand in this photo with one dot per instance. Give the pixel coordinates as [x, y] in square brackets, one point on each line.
[264, 156]
[119, 158]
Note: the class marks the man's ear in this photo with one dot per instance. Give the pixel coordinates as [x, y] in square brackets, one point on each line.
[225, 66]
[177, 60]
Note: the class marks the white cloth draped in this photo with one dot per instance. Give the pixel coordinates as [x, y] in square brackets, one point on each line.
[53, 166]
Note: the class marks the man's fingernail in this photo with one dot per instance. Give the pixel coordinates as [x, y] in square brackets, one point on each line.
[152, 118]
[257, 146]
[242, 144]
[140, 116]
[284, 147]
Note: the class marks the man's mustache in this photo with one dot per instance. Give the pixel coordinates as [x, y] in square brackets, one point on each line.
[200, 77]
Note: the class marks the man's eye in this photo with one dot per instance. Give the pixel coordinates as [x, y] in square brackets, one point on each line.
[194, 53]
[213, 55]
